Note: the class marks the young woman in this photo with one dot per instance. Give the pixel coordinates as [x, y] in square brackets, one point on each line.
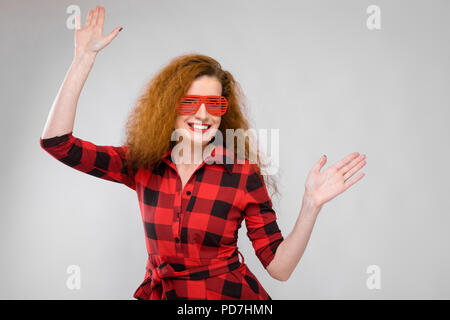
[191, 209]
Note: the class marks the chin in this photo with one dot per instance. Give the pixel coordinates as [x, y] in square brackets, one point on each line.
[198, 138]
[201, 141]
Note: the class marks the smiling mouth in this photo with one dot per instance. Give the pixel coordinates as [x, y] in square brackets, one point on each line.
[199, 127]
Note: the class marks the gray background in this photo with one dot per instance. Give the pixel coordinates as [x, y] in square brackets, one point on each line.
[310, 68]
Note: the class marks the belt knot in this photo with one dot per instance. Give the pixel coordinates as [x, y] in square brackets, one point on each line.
[158, 284]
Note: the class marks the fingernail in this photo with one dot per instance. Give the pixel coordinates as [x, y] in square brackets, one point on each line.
[120, 29]
[325, 155]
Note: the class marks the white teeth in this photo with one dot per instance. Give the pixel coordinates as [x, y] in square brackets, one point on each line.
[200, 127]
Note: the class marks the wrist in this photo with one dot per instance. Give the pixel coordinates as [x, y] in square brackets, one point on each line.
[310, 201]
[85, 57]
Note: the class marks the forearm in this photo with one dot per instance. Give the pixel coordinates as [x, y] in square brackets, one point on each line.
[62, 114]
[291, 249]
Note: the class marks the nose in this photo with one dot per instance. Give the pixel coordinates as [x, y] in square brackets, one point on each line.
[202, 113]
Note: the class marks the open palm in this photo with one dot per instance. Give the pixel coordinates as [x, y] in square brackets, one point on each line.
[324, 186]
[90, 39]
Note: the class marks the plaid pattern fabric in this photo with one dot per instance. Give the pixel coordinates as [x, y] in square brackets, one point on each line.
[191, 234]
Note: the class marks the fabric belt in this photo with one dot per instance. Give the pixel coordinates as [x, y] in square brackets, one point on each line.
[158, 284]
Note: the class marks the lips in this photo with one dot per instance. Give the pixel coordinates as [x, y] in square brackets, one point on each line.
[199, 127]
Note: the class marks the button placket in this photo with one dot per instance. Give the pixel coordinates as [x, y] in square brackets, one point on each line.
[184, 200]
[177, 208]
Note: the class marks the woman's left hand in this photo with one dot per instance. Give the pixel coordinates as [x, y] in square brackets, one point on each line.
[321, 187]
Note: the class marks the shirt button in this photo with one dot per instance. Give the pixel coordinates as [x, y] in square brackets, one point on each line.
[178, 214]
[188, 193]
[177, 240]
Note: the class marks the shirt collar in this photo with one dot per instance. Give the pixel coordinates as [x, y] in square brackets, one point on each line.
[219, 155]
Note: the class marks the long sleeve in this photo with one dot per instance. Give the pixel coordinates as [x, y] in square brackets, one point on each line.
[105, 162]
[260, 218]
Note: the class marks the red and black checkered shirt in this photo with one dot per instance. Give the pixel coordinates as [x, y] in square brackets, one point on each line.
[191, 234]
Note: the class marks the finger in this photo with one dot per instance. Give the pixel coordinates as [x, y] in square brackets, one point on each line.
[354, 169]
[352, 164]
[319, 165]
[338, 165]
[95, 16]
[112, 35]
[101, 17]
[349, 183]
[77, 22]
[88, 19]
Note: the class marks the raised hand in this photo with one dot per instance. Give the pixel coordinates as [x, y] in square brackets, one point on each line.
[321, 187]
[90, 39]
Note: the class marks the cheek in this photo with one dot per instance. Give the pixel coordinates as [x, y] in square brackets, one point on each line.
[216, 126]
[217, 122]
[179, 122]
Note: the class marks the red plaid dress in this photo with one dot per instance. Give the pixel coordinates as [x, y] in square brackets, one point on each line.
[191, 234]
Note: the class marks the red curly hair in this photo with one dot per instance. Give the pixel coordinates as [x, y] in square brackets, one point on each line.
[150, 124]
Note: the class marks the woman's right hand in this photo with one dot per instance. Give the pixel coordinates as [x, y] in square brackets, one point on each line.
[90, 40]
